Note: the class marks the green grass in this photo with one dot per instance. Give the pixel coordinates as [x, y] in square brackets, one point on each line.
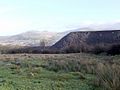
[29, 75]
[54, 72]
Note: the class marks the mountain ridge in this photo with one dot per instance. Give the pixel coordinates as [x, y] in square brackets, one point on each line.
[34, 37]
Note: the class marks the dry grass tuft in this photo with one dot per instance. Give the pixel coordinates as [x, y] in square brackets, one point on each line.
[108, 76]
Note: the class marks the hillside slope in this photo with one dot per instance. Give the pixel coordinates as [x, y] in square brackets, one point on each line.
[89, 41]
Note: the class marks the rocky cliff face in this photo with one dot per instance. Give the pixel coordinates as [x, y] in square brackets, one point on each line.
[89, 41]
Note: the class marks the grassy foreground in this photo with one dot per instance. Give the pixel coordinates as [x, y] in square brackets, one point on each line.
[59, 72]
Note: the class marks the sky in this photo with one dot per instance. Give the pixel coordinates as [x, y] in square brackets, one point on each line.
[18, 16]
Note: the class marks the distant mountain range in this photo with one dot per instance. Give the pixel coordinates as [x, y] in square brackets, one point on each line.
[33, 38]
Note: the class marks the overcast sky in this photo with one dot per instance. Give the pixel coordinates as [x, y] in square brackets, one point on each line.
[18, 16]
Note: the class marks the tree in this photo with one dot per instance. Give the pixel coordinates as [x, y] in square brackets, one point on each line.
[42, 44]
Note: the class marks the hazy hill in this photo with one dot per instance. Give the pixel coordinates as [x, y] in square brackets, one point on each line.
[32, 38]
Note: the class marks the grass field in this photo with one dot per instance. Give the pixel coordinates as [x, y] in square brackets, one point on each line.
[59, 72]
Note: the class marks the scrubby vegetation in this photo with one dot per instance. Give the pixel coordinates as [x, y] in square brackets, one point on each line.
[59, 72]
